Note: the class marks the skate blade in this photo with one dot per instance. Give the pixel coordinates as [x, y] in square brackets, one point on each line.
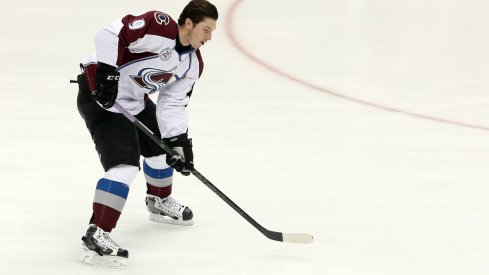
[93, 258]
[164, 219]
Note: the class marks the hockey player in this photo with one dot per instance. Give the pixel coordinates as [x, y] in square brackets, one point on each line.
[136, 56]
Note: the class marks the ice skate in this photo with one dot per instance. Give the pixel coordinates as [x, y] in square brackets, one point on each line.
[100, 249]
[168, 210]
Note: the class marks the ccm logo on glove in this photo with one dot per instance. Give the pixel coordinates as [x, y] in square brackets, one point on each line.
[183, 157]
[107, 83]
[113, 77]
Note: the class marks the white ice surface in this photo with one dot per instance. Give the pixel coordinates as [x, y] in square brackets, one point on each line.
[338, 135]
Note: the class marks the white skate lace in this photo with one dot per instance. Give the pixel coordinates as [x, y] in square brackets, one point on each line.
[109, 241]
[172, 203]
[171, 206]
[105, 240]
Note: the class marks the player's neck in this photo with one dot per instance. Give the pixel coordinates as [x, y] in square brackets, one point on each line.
[183, 36]
[180, 47]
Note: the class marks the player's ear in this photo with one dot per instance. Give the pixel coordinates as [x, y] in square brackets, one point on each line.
[189, 24]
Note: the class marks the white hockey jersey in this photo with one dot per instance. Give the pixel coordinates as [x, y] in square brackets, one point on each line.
[145, 51]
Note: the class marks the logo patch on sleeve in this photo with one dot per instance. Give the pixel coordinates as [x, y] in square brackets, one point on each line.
[162, 18]
[137, 24]
[165, 54]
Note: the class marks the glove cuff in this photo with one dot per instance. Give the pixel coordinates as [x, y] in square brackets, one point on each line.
[177, 141]
[105, 68]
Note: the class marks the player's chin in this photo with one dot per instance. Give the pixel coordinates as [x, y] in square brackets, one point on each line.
[201, 44]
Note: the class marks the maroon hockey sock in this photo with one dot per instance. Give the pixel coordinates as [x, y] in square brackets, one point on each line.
[161, 192]
[104, 217]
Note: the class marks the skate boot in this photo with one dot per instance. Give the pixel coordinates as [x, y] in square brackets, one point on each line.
[100, 249]
[168, 210]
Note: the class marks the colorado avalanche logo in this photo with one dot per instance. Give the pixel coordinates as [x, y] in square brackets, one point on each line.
[152, 79]
[162, 18]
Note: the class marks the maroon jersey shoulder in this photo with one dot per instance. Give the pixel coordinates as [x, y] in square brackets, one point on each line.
[136, 27]
[152, 22]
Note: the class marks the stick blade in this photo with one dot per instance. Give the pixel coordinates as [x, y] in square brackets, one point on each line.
[297, 238]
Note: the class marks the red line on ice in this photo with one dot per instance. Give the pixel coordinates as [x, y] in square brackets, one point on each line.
[234, 41]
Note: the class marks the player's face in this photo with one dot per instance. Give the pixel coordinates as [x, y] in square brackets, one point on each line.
[200, 33]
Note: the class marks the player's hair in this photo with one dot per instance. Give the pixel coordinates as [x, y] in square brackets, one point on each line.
[197, 11]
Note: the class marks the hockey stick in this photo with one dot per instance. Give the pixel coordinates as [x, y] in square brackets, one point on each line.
[273, 235]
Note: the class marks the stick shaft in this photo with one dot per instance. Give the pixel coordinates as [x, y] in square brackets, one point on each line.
[277, 236]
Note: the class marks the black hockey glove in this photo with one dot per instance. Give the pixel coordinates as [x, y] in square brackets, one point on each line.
[183, 156]
[107, 80]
